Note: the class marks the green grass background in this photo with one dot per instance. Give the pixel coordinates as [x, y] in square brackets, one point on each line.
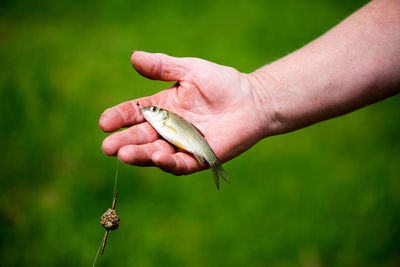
[327, 195]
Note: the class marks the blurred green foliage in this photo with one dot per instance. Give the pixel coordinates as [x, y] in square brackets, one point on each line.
[328, 195]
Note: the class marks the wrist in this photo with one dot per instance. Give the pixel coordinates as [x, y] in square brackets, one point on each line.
[265, 88]
[290, 100]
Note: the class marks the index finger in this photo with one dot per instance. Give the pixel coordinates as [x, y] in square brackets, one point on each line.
[123, 115]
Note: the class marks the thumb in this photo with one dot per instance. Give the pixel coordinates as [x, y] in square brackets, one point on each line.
[160, 66]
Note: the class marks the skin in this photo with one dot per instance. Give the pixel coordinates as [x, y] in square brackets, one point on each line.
[354, 64]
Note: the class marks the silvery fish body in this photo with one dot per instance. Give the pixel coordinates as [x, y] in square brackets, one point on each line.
[184, 135]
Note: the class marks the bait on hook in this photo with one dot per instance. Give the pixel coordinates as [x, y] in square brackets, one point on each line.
[110, 221]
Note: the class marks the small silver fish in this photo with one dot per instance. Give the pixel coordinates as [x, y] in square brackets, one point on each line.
[185, 135]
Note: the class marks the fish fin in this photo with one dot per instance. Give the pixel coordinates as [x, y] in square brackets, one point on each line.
[199, 159]
[177, 144]
[198, 130]
[171, 128]
[222, 172]
[216, 177]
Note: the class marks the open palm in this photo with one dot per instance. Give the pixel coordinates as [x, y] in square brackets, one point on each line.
[220, 101]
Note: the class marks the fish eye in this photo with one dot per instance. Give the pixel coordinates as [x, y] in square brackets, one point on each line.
[152, 108]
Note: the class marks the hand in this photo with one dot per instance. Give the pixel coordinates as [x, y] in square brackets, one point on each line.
[220, 101]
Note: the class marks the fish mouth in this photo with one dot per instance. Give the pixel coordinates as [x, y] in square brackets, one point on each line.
[140, 107]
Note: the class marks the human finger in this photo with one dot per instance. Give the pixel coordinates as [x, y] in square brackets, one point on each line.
[176, 163]
[123, 115]
[136, 135]
[159, 66]
[141, 155]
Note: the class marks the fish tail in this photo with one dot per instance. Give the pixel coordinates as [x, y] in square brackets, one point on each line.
[216, 177]
[217, 170]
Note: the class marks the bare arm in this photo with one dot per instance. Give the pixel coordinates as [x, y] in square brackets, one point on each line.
[354, 64]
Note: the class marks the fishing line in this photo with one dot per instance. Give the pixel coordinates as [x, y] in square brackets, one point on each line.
[97, 254]
[116, 177]
[115, 190]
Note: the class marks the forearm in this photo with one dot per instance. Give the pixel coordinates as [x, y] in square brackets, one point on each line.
[354, 64]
